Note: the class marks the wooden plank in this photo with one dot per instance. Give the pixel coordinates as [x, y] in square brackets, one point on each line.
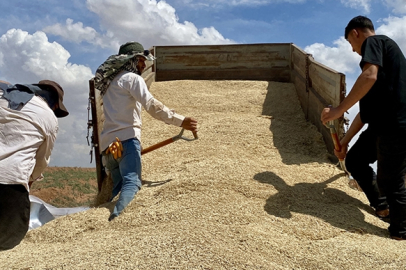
[299, 77]
[281, 75]
[301, 90]
[327, 82]
[299, 61]
[223, 62]
[325, 87]
[314, 116]
[149, 79]
[329, 86]
[96, 134]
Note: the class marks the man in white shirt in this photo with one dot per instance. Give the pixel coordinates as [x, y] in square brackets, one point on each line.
[28, 128]
[124, 94]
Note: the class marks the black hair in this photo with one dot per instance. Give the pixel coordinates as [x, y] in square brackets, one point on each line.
[361, 22]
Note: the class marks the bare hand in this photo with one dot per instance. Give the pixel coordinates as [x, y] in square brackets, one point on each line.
[329, 114]
[190, 123]
[342, 153]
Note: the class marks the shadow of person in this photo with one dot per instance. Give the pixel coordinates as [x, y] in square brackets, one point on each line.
[317, 199]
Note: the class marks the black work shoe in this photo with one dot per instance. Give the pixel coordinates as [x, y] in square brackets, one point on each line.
[399, 238]
[383, 213]
[112, 216]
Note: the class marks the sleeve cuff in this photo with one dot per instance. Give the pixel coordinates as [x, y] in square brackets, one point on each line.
[178, 119]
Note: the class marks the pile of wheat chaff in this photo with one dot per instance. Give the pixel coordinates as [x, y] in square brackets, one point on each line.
[255, 191]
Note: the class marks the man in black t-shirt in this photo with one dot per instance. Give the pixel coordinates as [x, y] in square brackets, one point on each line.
[381, 92]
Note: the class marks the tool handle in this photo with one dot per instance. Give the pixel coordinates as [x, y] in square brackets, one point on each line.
[337, 145]
[156, 146]
[336, 141]
[195, 135]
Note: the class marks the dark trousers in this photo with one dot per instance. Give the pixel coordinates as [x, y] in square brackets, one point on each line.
[14, 215]
[358, 160]
[391, 178]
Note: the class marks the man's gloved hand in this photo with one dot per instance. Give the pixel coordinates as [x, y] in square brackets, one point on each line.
[115, 148]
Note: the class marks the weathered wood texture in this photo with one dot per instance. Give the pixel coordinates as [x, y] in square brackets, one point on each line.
[268, 62]
[327, 87]
[299, 77]
[317, 86]
[149, 72]
[96, 112]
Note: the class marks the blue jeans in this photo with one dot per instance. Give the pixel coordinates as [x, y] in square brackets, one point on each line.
[126, 174]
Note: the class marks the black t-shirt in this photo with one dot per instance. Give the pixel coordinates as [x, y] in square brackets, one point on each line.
[384, 106]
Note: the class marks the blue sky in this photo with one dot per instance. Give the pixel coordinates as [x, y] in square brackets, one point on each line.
[66, 41]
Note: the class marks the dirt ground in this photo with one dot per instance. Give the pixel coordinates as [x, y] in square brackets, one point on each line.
[66, 186]
[255, 191]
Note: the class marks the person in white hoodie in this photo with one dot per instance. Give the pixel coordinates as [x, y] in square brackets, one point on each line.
[28, 128]
[124, 94]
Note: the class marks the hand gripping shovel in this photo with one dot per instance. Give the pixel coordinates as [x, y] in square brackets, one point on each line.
[337, 146]
[168, 141]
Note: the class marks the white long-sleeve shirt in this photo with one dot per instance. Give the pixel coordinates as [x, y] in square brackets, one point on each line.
[27, 137]
[122, 104]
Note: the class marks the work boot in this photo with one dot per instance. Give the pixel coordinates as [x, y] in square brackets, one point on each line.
[113, 216]
[383, 213]
[399, 238]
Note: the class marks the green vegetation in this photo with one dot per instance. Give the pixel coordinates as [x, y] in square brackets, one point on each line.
[67, 186]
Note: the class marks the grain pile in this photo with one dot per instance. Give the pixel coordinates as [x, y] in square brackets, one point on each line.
[256, 191]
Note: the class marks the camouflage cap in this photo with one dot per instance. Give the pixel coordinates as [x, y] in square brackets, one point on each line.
[134, 48]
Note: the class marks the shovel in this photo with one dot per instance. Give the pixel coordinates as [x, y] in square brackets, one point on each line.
[168, 141]
[337, 146]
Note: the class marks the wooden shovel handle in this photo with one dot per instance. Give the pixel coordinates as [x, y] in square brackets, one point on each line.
[337, 146]
[156, 146]
[195, 135]
[336, 141]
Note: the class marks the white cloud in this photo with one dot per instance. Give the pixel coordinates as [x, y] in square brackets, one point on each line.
[223, 3]
[27, 58]
[147, 21]
[77, 33]
[358, 4]
[340, 58]
[395, 28]
[399, 6]
[254, 2]
[73, 31]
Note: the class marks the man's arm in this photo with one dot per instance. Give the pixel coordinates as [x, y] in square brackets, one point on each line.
[361, 87]
[43, 156]
[158, 110]
[355, 127]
